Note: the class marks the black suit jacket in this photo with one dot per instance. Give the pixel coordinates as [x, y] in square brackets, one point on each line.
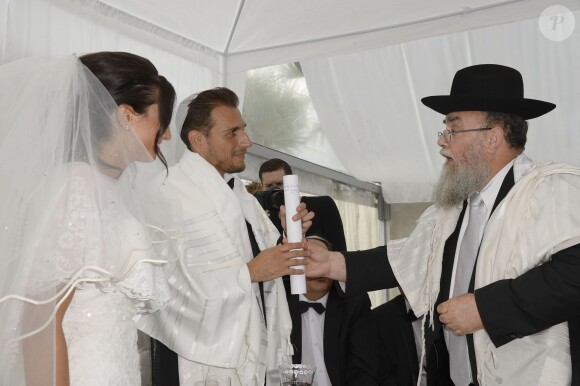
[399, 362]
[510, 309]
[164, 370]
[351, 351]
[327, 222]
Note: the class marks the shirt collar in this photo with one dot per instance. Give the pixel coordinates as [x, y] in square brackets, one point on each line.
[490, 191]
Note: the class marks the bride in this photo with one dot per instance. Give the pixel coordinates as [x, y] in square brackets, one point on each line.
[76, 262]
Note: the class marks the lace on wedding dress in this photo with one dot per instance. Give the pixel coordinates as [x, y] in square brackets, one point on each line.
[86, 230]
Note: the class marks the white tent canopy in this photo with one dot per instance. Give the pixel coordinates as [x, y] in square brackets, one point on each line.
[367, 63]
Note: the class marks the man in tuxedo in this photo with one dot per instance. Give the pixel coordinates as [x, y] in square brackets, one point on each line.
[327, 222]
[336, 334]
[495, 263]
[339, 338]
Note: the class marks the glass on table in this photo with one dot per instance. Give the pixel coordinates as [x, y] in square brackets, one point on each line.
[215, 380]
[296, 374]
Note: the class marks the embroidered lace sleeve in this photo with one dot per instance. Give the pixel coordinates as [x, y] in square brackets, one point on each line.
[89, 235]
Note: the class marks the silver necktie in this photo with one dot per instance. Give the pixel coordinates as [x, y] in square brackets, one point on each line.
[460, 368]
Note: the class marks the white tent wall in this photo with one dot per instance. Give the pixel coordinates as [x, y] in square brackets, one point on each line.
[369, 102]
[61, 27]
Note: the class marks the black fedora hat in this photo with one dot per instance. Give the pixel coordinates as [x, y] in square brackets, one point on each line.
[488, 87]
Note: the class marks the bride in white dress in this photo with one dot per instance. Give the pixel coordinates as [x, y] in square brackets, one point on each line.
[76, 260]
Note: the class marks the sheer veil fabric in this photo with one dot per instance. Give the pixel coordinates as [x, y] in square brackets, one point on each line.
[67, 201]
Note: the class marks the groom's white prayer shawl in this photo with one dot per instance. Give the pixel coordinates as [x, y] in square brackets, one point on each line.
[215, 317]
[539, 217]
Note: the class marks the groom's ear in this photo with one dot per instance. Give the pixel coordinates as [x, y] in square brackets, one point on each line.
[197, 141]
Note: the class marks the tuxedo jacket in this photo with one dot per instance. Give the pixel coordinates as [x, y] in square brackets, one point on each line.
[164, 370]
[399, 361]
[351, 350]
[327, 222]
[510, 309]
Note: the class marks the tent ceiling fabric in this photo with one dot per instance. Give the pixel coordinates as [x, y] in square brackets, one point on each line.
[236, 27]
[206, 22]
[258, 33]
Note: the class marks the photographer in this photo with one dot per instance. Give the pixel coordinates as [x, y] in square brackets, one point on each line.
[271, 200]
[327, 222]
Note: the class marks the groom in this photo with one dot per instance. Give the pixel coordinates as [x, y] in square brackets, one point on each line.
[228, 313]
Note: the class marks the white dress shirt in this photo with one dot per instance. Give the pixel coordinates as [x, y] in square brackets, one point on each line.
[313, 341]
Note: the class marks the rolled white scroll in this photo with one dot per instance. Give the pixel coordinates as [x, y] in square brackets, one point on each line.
[294, 228]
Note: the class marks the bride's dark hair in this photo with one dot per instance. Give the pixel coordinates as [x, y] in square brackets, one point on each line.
[134, 81]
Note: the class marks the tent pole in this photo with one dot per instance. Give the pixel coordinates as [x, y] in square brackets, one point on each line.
[230, 37]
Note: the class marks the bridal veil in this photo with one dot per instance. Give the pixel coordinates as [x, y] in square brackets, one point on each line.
[66, 175]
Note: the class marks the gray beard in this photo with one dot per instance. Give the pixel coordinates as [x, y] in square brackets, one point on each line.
[461, 180]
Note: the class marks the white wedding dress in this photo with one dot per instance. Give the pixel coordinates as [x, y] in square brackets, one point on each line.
[100, 334]
[102, 339]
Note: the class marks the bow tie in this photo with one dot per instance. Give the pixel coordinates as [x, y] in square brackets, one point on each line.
[318, 307]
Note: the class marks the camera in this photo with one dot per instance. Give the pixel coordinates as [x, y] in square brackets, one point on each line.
[270, 199]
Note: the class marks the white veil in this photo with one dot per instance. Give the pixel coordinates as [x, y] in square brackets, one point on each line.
[63, 145]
